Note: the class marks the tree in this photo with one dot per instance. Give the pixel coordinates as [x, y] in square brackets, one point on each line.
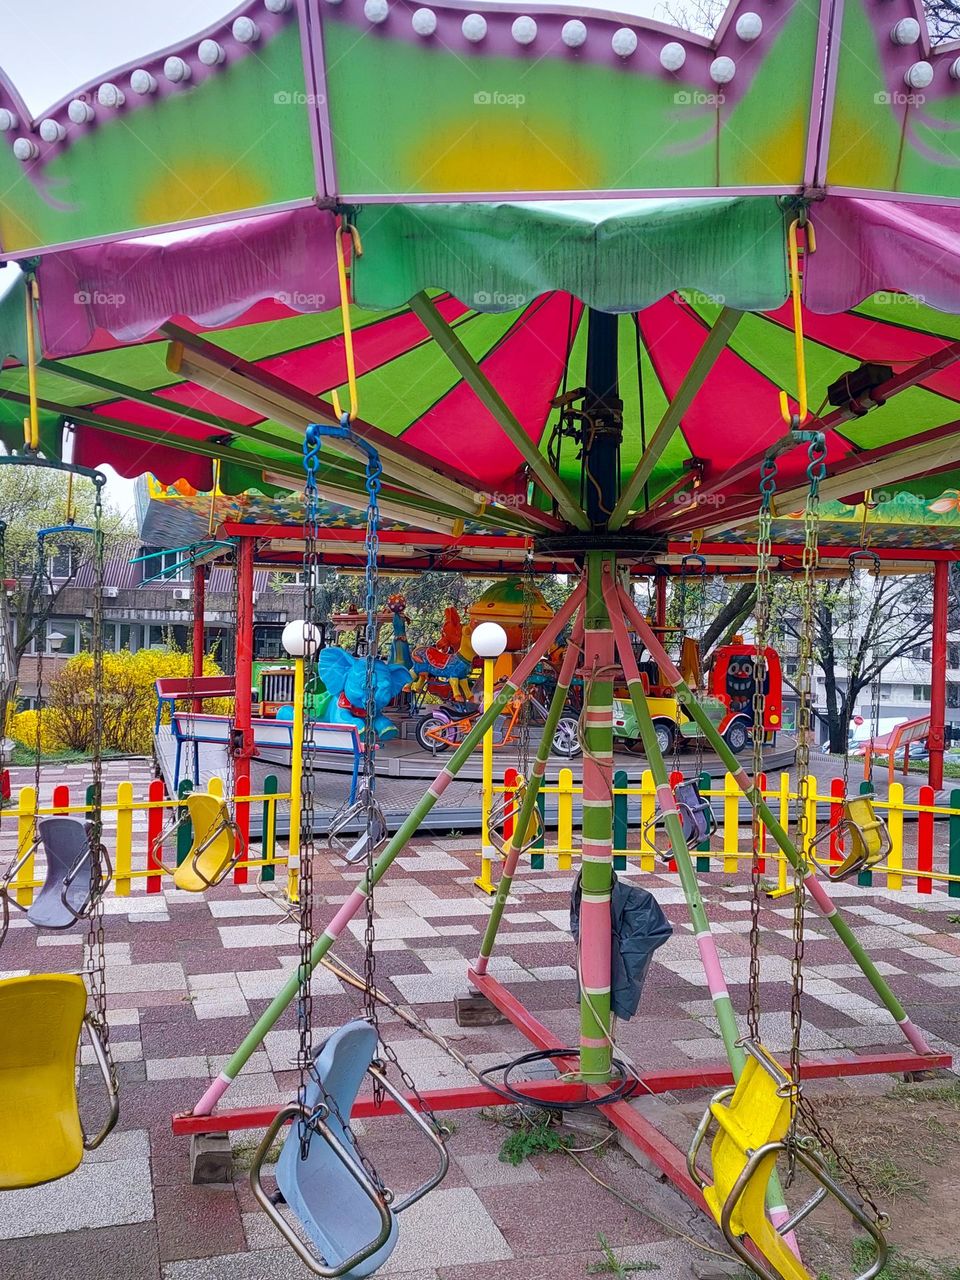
[32, 498]
[701, 16]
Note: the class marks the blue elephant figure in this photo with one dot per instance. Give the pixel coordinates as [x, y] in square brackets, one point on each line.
[345, 678]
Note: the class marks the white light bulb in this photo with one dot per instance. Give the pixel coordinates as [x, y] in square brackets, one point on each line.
[176, 70]
[624, 42]
[108, 95]
[8, 121]
[143, 82]
[210, 53]
[424, 22]
[906, 31]
[276, 6]
[25, 149]
[573, 33]
[52, 130]
[246, 31]
[749, 26]
[954, 71]
[722, 70]
[474, 27]
[80, 112]
[673, 56]
[524, 30]
[919, 76]
[376, 10]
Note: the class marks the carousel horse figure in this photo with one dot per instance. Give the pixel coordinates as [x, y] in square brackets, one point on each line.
[345, 678]
[450, 660]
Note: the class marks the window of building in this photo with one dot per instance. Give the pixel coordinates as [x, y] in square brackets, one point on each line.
[921, 693]
[168, 563]
[953, 695]
[789, 717]
[953, 655]
[166, 635]
[61, 563]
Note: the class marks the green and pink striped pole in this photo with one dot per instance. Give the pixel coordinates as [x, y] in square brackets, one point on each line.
[816, 889]
[357, 900]
[596, 868]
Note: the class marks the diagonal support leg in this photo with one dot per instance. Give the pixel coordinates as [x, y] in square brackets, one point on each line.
[355, 903]
[813, 886]
[533, 784]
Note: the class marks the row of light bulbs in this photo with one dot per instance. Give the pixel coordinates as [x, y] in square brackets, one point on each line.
[573, 34]
[749, 26]
[175, 69]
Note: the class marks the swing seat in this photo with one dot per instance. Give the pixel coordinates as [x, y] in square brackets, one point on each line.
[351, 1223]
[864, 837]
[41, 1137]
[68, 887]
[696, 815]
[752, 1119]
[216, 847]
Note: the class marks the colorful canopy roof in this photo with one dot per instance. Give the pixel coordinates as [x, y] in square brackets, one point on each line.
[542, 166]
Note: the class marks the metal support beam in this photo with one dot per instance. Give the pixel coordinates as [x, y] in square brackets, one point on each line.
[706, 357]
[449, 342]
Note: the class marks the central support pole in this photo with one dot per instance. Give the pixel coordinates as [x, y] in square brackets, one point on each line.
[597, 863]
[600, 457]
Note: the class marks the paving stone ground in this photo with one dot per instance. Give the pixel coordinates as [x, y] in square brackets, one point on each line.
[188, 974]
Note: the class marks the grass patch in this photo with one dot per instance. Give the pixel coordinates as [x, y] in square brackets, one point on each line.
[920, 1094]
[21, 755]
[904, 1266]
[532, 1137]
[244, 1152]
[611, 1265]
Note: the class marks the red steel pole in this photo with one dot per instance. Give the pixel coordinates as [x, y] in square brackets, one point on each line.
[938, 674]
[199, 608]
[243, 699]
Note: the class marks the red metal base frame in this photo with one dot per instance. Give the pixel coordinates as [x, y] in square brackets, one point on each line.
[626, 1118]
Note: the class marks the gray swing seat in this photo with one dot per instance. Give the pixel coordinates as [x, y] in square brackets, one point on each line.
[74, 880]
[68, 887]
[350, 1222]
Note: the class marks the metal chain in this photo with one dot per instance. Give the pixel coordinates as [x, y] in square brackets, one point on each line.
[526, 644]
[311, 518]
[816, 470]
[764, 582]
[96, 962]
[372, 479]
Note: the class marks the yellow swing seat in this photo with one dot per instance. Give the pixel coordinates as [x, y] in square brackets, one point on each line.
[752, 1120]
[217, 844]
[863, 835]
[41, 1135]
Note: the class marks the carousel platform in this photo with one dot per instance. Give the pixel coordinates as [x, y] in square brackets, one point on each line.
[404, 771]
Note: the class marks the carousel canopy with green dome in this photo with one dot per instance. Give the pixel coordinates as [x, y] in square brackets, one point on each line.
[554, 181]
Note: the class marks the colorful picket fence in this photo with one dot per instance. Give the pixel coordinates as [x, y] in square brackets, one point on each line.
[134, 847]
[911, 862]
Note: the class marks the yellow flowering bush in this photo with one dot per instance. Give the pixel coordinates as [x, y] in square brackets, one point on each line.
[127, 702]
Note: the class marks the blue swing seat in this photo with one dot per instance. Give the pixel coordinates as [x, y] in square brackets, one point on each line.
[349, 1221]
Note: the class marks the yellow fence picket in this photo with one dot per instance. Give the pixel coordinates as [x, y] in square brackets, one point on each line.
[731, 825]
[26, 826]
[565, 820]
[123, 853]
[895, 827]
[648, 807]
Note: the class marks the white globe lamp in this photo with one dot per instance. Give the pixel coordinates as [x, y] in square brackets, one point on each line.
[488, 640]
[301, 638]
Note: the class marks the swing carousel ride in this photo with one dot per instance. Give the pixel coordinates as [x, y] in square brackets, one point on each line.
[603, 295]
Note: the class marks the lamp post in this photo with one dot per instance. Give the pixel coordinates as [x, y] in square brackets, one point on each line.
[489, 640]
[300, 639]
